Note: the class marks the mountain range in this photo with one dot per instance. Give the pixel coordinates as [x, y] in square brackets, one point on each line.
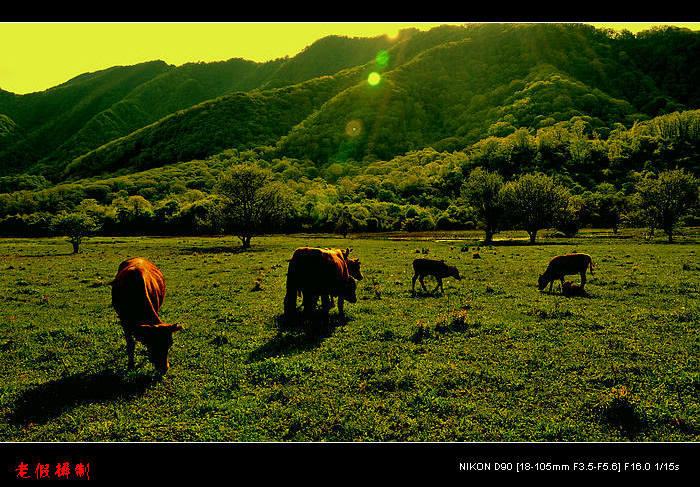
[444, 89]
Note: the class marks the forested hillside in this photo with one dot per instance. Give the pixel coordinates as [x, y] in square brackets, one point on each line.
[49, 118]
[93, 109]
[141, 148]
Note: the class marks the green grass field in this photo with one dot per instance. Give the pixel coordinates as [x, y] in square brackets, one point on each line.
[492, 359]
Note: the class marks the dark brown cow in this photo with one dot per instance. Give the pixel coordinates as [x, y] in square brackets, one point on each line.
[318, 272]
[138, 291]
[435, 268]
[569, 289]
[565, 265]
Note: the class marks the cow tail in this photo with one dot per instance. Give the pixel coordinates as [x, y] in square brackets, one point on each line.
[590, 264]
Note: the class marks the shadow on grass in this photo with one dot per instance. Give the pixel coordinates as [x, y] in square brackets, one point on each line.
[525, 243]
[578, 294]
[49, 254]
[424, 294]
[297, 335]
[51, 399]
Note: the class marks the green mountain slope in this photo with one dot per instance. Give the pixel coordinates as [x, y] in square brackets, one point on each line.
[446, 88]
[500, 77]
[240, 121]
[184, 86]
[174, 90]
[50, 117]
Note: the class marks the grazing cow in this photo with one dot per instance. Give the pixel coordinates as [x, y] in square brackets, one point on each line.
[565, 265]
[138, 291]
[353, 270]
[317, 272]
[569, 289]
[435, 268]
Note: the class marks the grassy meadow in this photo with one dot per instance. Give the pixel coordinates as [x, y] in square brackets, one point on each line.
[493, 359]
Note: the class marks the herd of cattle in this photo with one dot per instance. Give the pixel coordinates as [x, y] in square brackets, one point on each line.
[138, 291]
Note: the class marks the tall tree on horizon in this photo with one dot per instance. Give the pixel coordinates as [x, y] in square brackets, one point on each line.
[667, 198]
[252, 202]
[483, 192]
[534, 201]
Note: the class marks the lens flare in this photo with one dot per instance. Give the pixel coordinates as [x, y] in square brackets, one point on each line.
[382, 58]
[353, 128]
[374, 78]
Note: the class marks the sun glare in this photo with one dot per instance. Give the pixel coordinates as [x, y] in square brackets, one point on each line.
[374, 78]
[392, 34]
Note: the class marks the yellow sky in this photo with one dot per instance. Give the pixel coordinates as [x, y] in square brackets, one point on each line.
[37, 56]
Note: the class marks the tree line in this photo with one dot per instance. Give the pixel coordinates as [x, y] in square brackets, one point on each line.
[248, 201]
[604, 183]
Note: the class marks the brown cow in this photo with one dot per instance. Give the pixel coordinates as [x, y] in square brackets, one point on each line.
[353, 270]
[435, 268]
[565, 265]
[318, 272]
[138, 291]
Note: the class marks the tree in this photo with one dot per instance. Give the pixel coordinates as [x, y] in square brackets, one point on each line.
[535, 201]
[609, 207]
[570, 219]
[483, 192]
[252, 202]
[76, 226]
[344, 222]
[667, 198]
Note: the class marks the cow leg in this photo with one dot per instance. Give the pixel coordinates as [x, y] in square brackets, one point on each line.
[423, 284]
[413, 284]
[290, 302]
[551, 283]
[562, 285]
[326, 302]
[309, 303]
[130, 346]
[341, 302]
[438, 285]
[583, 279]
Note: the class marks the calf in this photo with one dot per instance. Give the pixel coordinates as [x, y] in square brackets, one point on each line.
[435, 268]
[565, 265]
[138, 291]
[569, 289]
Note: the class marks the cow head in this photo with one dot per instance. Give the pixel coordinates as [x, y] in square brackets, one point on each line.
[354, 269]
[348, 289]
[353, 264]
[542, 282]
[158, 340]
[454, 272]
